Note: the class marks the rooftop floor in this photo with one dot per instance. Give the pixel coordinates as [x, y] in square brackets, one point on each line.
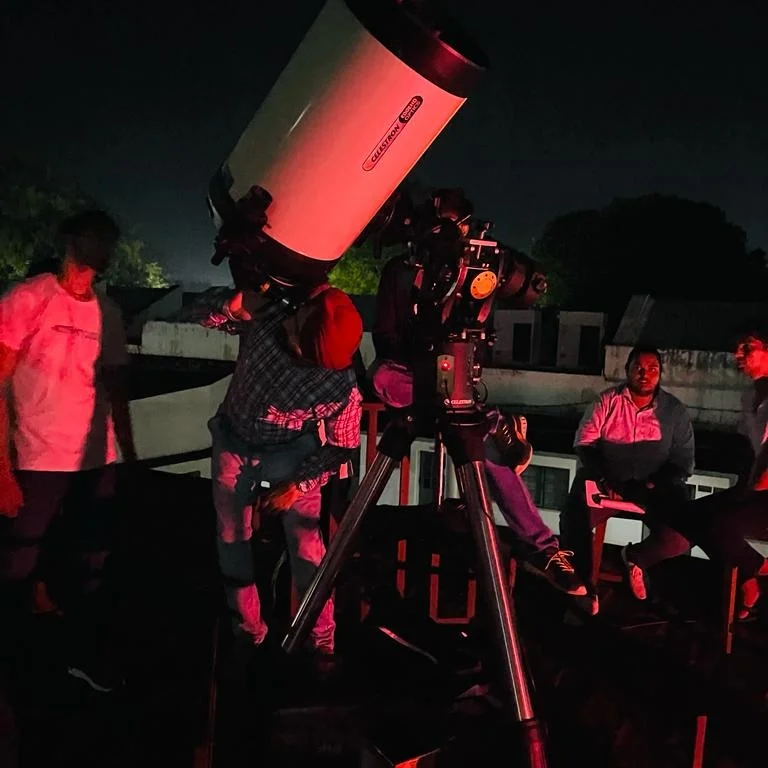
[621, 690]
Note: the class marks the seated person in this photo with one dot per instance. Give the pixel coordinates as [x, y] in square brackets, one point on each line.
[722, 523]
[636, 441]
[392, 378]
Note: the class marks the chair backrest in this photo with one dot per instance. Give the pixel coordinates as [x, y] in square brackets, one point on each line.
[597, 500]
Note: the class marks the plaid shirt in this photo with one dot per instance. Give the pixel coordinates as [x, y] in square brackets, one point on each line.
[274, 397]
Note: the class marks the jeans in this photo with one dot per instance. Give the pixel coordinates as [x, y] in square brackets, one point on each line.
[578, 520]
[393, 383]
[722, 522]
[63, 535]
[236, 471]
[80, 506]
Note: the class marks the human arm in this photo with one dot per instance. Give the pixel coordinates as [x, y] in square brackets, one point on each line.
[754, 422]
[115, 382]
[235, 312]
[114, 373]
[19, 310]
[10, 494]
[387, 332]
[681, 459]
[586, 443]
[758, 479]
[342, 437]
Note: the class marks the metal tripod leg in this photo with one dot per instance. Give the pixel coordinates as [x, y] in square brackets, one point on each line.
[339, 550]
[474, 490]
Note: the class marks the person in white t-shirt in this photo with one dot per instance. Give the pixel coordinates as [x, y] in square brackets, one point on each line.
[63, 409]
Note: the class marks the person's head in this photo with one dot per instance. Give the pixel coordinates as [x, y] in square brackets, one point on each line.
[88, 240]
[643, 369]
[752, 352]
[453, 204]
[332, 331]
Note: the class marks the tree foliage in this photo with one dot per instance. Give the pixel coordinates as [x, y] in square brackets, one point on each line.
[664, 246]
[32, 205]
[131, 267]
[359, 270]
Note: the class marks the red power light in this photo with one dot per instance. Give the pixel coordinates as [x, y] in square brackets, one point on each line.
[445, 365]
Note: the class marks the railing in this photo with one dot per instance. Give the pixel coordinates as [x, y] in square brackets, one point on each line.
[371, 413]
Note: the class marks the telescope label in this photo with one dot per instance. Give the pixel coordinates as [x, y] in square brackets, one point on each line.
[392, 133]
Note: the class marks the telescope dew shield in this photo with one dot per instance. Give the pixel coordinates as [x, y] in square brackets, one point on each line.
[368, 90]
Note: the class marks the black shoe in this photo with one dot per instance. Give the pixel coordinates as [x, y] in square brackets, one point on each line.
[238, 659]
[511, 435]
[324, 663]
[557, 569]
[101, 673]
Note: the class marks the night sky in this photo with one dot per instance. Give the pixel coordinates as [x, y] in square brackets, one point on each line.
[138, 103]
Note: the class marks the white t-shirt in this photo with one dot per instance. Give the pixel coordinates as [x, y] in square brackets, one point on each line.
[61, 417]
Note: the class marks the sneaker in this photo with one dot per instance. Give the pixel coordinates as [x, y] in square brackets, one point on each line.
[324, 663]
[42, 604]
[635, 576]
[100, 673]
[750, 594]
[511, 435]
[238, 658]
[557, 568]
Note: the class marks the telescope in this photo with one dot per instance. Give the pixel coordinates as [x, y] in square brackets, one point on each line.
[370, 87]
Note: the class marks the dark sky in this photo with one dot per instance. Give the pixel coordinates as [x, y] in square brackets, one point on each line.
[138, 103]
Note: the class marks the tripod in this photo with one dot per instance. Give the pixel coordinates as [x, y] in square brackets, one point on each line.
[462, 430]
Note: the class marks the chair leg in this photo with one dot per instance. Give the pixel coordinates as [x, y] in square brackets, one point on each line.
[698, 741]
[729, 607]
[512, 574]
[598, 539]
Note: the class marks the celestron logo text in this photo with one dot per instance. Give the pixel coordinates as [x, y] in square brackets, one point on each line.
[394, 130]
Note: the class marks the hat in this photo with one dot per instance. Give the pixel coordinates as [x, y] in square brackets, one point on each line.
[332, 332]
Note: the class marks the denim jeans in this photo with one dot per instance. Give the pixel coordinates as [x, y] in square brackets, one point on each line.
[721, 525]
[63, 536]
[393, 383]
[80, 505]
[236, 472]
[577, 522]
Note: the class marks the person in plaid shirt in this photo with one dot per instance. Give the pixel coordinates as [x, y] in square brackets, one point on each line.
[290, 420]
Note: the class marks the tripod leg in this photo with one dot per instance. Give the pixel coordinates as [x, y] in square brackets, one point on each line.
[474, 489]
[339, 550]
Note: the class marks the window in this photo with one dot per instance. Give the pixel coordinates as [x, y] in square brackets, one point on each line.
[521, 342]
[548, 486]
[426, 477]
[589, 348]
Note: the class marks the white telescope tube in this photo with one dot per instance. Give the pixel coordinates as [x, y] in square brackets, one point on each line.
[366, 93]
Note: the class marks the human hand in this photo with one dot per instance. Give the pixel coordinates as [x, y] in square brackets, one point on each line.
[281, 499]
[761, 484]
[11, 498]
[635, 491]
[243, 305]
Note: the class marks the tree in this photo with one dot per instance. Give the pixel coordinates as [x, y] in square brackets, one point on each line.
[131, 267]
[358, 271]
[32, 205]
[664, 246]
